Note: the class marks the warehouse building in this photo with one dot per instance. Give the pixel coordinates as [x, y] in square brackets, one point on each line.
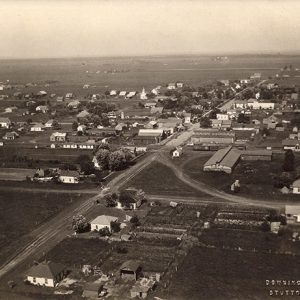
[224, 160]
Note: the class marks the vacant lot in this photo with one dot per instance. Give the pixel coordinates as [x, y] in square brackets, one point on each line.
[21, 212]
[256, 177]
[224, 274]
[75, 252]
[158, 179]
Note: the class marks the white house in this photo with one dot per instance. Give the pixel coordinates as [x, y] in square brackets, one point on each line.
[296, 187]
[49, 124]
[37, 127]
[131, 94]
[222, 117]
[187, 118]
[177, 152]
[69, 95]
[292, 213]
[102, 221]
[122, 93]
[47, 274]
[67, 176]
[113, 93]
[5, 123]
[171, 86]
[42, 108]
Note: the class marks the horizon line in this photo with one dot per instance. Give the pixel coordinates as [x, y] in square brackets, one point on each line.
[192, 53]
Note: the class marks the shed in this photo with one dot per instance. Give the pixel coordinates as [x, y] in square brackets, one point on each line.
[130, 270]
[92, 290]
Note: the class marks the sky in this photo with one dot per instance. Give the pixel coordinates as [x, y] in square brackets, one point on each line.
[82, 28]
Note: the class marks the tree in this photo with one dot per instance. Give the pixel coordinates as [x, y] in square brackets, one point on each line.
[265, 226]
[80, 224]
[135, 221]
[115, 226]
[111, 200]
[102, 157]
[86, 165]
[242, 118]
[265, 132]
[119, 160]
[289, 161]
[104, 232]
[74, 125]
[205, 122]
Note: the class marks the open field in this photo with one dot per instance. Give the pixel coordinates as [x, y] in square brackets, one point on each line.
[256, 177]
[159, 179]
[21, 212]
[212, 274]
[133, 72]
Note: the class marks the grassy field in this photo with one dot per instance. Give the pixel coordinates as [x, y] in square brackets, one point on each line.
[256, 177]
[224, 274]
[21, 212]
[158, 179]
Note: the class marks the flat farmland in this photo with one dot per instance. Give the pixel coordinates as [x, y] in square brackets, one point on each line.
[134, 72]
[22, 212]
[212, 274]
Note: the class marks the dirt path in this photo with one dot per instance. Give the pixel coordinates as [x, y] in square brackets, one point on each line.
[200, 186]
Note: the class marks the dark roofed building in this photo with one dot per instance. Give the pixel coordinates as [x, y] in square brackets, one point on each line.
[130, 270]
[46, 274]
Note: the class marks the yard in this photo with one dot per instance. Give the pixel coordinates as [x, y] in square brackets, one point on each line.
[158, 179]
[21, 212]
[256, 177]
[208, 273]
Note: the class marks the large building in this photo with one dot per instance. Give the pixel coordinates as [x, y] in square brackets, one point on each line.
[224, 160]
[213, 136]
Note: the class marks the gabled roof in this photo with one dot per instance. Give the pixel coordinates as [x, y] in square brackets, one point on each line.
[292, 209]
[4, 120]
[130, 265]
[46, 270]
[104, 220]
[296, 183]
[69, 173]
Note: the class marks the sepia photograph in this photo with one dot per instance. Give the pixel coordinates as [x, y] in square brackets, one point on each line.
[149, 149]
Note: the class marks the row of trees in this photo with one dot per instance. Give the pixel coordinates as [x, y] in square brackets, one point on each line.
[113, 160]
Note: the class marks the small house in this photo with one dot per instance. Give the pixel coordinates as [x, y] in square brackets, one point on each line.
[73, 104]
[42, 109]
[46, 274]
[296, 187]
[10, 136]
[69, 95]
[58, 137]
[83, 114]
[131, 198]
[177, 152]
[103, 221]
[292, 213]
[37, 127]
[49, 124]
[60, 99]
[67, 176]
[171, 86]
[130, 270]
[92, 290]
[5, 123]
